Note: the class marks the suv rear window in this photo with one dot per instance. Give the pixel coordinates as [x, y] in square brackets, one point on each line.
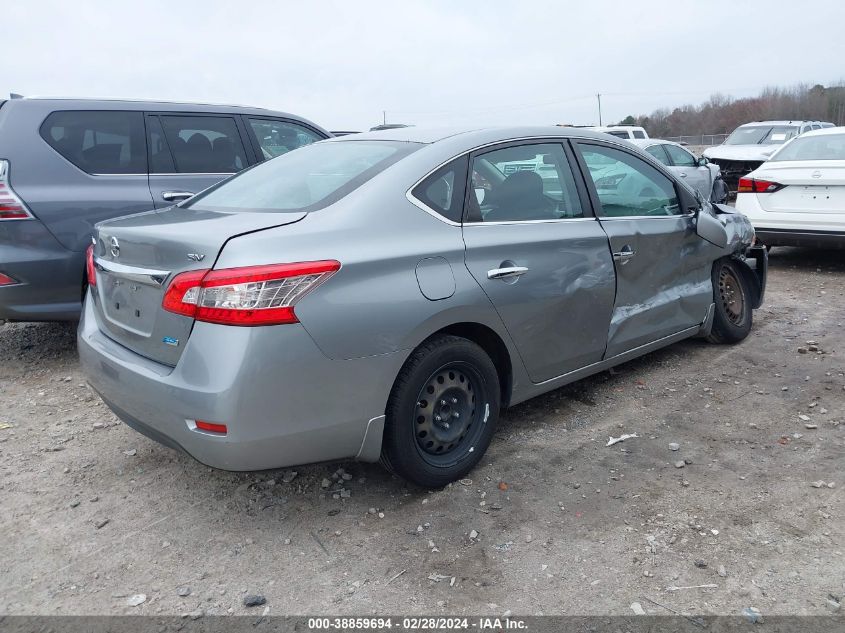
[310, 178]
[99, 142]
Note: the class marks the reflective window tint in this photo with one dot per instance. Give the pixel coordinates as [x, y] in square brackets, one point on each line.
[443, 191]
[103, 142]
[627, 185]
[279, 137]
[523, 182]
[204, 144]
[680, 157]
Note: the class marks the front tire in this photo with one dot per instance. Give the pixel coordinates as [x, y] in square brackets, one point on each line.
[441, 413]
[732, 296]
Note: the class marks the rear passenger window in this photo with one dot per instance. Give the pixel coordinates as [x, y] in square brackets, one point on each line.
[638, 134]
[104, 142]
[522, 183]
[443, 191]
[680, 157]
[204, 144]
[659, 153]
[279, 137]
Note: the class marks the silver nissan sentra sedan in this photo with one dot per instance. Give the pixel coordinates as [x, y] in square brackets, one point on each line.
[381, 296]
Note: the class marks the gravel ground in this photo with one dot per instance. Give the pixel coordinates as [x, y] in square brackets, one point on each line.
[97, 518]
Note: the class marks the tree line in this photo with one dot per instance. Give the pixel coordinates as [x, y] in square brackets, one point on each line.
[721, 114]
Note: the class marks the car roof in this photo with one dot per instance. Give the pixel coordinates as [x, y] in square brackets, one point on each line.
[793, 122]
[428, 135]
[113, 103]
[648, 142]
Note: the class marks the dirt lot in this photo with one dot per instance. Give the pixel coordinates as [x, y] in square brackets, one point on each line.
[576, 527]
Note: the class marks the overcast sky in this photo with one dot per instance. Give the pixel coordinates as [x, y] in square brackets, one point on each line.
[424, 62]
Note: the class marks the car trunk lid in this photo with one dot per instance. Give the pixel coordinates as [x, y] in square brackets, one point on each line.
[137, 256]
[808, 187]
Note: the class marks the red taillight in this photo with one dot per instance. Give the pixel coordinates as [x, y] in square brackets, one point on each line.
[751, 185]
[252, 295]
[211, 427]
[91, 272]
[11, 206]
[5, 280]
[177, 298]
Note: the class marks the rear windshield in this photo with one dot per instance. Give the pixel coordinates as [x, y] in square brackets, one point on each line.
[306, 179]
[761, 135]
[824, 147]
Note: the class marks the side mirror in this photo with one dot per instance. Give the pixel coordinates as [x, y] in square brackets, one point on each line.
[708, 227]
[703, 161]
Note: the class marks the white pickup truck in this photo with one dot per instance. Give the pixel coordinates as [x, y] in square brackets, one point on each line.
[628, 132]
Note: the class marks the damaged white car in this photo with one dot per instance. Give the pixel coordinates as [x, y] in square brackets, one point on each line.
[750, 145]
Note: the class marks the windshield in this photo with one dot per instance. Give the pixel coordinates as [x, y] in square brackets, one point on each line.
[306, 179]
[761, 135]
[823, 147]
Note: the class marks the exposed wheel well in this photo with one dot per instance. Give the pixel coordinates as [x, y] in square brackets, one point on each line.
[495, 347]
[750, 279]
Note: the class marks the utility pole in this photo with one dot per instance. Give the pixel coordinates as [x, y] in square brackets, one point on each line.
[384, 117]
[598, 96]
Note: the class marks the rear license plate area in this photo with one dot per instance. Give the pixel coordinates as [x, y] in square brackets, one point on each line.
[129, 304]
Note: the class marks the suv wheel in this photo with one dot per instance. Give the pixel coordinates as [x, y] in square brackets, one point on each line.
[732, 296]
[441, 413]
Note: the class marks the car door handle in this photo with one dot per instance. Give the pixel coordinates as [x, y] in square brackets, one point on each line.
[683, 174]
[506, 273]
[624, 255]
[173, 196]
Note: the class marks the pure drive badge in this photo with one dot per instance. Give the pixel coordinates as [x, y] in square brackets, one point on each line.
[169, 340]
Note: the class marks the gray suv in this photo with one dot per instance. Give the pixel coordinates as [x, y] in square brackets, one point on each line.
[66, 164]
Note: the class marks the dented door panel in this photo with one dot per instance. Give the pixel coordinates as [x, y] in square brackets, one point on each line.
[664, 287]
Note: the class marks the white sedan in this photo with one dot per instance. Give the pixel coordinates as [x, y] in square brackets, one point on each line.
[797, 197]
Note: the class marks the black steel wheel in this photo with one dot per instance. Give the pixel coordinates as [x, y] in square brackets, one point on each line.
[441, 413]
[446, 412]
[731, 294]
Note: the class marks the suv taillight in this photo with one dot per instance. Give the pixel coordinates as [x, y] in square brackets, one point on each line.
[252, 295]
[11, 206]
[751, 185]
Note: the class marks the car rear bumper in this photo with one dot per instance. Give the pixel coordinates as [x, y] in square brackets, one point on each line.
[796, 237]
[798, 228]
[50, 277]
[284, 402]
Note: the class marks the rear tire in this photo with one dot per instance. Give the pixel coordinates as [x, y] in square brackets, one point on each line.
[733, 315]
[441, 413]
